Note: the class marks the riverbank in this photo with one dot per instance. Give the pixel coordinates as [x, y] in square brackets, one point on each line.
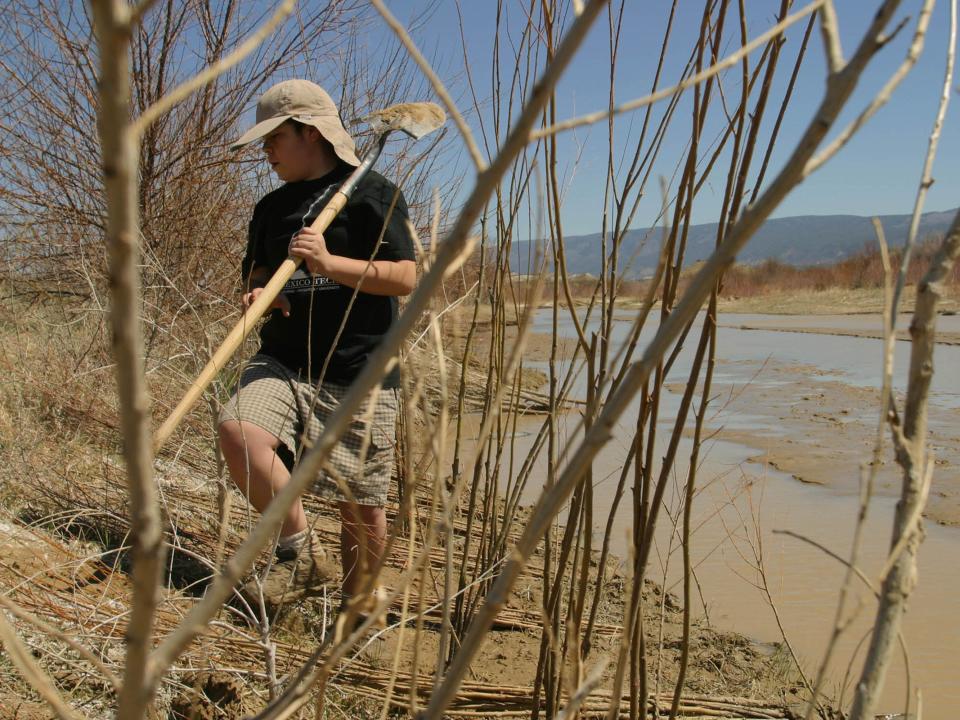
[807, 420]
[67, 564]
[58, 440]
[783, 303]
[65, 530]
[790, 432]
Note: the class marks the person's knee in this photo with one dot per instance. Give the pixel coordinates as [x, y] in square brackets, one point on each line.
[372, 514]
[355, 514]
[366, 524]
[231, 436]
[240, 438]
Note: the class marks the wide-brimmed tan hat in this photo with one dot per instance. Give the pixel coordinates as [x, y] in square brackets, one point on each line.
[307, 103]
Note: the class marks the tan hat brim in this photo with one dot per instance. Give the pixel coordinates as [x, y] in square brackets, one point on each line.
[258, 131]
[330, 128]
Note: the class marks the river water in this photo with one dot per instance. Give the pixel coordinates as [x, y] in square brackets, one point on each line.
[743, 508]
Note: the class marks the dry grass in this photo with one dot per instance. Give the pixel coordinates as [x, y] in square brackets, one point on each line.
[74, 490]
[851, 286]
[67, 562]
[832, 301]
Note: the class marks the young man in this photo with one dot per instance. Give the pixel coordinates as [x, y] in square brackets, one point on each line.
[318, 337]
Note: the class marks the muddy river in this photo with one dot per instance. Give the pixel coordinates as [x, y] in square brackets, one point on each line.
[793, 418]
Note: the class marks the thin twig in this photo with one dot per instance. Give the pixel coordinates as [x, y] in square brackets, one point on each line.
[830, 33]
[926, 178]
[699, 77]
[580, 695]
[31, 672]
[139, 10]
[881, 98]
[830, 553]
[438, 86]
[911, 444]
[839, 89]
[202, 78]
[56, 632]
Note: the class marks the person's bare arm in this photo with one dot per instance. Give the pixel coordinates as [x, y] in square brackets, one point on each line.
[380, 277]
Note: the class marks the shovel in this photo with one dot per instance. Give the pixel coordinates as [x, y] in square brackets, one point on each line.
[414, 119]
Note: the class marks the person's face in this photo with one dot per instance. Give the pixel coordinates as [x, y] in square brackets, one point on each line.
[291, 154]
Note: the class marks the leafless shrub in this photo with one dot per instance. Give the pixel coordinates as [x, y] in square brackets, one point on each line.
[861, 270]
[167, 184]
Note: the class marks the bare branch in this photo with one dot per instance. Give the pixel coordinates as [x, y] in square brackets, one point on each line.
[696, 79]
[438, 86]
[827, 551]
[31, 672]
[881, 98]
[926, 178]
[169, 100]
[839, 89]
[120, 173]
[496, 210]
[306, 470]
[912, 456]
[56, 632]
[589, 684]
[139, 10]
[913, 525]
[830, 32]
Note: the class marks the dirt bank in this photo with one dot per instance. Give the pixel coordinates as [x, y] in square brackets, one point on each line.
[860, 326]
[831, 301]
[222, 675]
[820, 430]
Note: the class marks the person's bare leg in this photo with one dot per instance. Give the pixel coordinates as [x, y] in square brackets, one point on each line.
[362, 527]
[251, 456]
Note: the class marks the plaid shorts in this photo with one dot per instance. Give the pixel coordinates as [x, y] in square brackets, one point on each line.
[272, 397]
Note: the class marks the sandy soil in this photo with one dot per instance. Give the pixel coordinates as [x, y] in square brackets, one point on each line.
[861, 326]
[722, 664]
[819, 430]
[538, 347]
[845, 301]
[804, 428]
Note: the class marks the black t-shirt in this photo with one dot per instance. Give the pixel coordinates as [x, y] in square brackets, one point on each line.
[318, 304]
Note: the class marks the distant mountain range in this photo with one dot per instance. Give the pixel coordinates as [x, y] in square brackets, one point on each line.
[800, 241]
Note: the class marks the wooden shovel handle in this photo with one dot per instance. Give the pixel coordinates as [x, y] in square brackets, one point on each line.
[243, 327]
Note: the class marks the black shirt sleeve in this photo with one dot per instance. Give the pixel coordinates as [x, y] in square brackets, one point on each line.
[249, 261]
[255, 255]
[382, 210]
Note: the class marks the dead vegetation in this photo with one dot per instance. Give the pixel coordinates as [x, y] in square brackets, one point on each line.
[852, 285]
[129, 607]
[863, 271]
[67, 561]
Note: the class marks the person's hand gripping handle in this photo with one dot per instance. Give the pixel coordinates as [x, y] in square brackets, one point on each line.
[261, 300]
[413, 119]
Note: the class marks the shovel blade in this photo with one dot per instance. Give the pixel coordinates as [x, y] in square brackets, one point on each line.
[415, 119]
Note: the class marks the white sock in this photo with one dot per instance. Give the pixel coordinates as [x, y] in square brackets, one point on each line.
[295, 541]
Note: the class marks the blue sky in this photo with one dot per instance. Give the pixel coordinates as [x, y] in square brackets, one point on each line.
[877, 173]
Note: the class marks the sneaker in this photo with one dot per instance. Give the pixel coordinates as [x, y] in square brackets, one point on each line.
[294, 575]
